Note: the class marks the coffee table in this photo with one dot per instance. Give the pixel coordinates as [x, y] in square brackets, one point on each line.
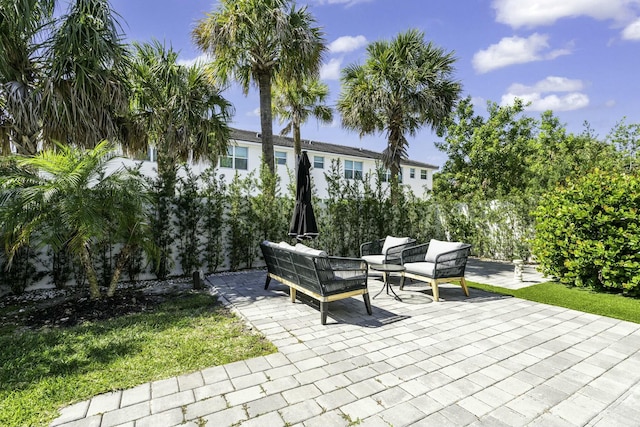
[386, 269]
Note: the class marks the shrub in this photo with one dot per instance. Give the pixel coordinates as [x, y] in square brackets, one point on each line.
[587, 233]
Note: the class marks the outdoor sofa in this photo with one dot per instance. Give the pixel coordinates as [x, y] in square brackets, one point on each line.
[314, 273]
[436, 262]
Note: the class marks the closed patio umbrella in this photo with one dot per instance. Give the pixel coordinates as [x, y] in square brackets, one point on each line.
[303, 223]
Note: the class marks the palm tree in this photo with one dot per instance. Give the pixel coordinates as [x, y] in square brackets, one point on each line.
[59, 80]
[64, 198]
[403, 85]
[21, 71]
[185, 117]
[184, 113]
[256, 41]
[295, 101]
[85, 91]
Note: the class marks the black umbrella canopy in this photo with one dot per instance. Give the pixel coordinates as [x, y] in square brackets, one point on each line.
[303, 223]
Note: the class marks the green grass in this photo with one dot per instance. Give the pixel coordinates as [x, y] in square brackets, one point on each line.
[610, 305]
[42, 371]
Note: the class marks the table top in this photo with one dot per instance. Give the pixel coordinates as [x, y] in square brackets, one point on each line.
[388, 268]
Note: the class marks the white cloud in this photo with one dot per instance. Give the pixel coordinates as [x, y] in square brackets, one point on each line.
[553, 93]
[331, 70]
[347, 44]
[550, 84]
[202, 59]
[532, 13]
[515, 50]
[254, 113]
[632, 31]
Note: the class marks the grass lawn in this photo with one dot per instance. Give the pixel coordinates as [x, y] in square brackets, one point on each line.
[552, 293]
[44, 370]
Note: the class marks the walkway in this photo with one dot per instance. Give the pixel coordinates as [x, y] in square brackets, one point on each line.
[486, 360]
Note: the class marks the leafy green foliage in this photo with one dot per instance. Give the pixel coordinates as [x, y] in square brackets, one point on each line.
[188, 211]
[65, 200]
[511, 155]
[215, 205]
[588, 232]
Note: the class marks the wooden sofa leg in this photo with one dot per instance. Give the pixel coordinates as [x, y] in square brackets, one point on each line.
[266, 283]
[367, 303]
[463, 283]
[292, 293]
[434, 288]
[323, 312]
[402, 281]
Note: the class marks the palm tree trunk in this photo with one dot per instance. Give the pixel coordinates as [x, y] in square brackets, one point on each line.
[297, 143]
[85, 260]
[123, 257]
[266, 120]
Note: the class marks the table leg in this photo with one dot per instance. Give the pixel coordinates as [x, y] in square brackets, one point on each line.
[392, 291]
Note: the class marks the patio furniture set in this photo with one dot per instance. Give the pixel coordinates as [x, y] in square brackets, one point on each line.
[329, 278]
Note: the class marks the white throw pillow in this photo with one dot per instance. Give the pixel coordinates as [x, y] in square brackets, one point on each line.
[310, 251]
[438, 246]
[285, 245]
[391, 241]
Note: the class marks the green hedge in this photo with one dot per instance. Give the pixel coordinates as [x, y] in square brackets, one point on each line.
[587, 233]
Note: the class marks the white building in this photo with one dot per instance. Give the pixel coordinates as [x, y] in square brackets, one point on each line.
[245, 154]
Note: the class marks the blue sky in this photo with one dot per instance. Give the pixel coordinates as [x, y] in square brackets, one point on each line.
[579, 58]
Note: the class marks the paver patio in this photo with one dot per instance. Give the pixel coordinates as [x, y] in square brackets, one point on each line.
[485, 360]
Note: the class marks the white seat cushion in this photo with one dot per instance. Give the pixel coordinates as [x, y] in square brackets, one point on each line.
[437, 247]
[391, 241]
[422, 268]
[374, 259]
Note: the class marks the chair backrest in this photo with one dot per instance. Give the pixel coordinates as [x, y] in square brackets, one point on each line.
[397, 243]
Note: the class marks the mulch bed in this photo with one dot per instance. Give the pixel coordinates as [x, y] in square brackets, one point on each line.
[72, 306]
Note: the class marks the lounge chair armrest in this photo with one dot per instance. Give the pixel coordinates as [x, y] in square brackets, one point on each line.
[371, 248]
[458, 255]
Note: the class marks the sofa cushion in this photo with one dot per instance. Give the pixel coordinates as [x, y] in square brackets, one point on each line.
[422, 268]
[391, 241]
[303, 249]
[437, 247]
[374, 259]
[285, 245]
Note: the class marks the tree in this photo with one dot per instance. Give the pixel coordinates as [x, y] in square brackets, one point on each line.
[64, 198]
[257, 41]
[403, 85]
[85, 93]
[511, 154]
[60, 79]
[185, 115]
[295, 101]
[21, 71]
[487, 158]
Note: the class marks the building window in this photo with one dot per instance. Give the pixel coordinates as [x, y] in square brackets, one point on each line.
[352, 170]
[236, 158]
[281, 158]
[386, 177]
[423, 174]
[318, 162]
[412, 173]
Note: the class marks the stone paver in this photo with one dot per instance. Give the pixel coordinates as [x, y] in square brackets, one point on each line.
[486, 360]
